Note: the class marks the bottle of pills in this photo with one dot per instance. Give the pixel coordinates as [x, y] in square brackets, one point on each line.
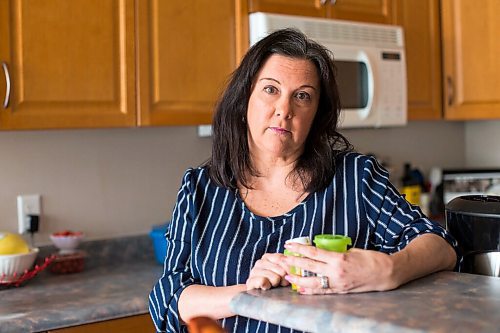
[296, 270]
[335, 243]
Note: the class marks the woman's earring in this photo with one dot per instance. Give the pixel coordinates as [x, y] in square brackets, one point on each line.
[243, 120]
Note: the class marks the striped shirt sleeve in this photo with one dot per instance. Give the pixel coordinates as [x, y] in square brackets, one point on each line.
[394, 221]
[164, 298]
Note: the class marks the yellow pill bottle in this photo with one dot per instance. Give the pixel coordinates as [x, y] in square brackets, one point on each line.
[296, 270]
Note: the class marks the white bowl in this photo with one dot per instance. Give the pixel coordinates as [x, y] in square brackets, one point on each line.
[67, 243]
[11, 264]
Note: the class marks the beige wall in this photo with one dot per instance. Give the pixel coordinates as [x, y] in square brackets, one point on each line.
[483, 143]
[425, 144]
[116, 182]
[107, 183]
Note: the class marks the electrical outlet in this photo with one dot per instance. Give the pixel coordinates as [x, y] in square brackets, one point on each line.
[27, 205]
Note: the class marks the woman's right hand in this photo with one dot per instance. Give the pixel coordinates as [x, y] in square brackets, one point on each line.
[269, 271]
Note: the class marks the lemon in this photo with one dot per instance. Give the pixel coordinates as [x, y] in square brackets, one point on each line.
[12, 244]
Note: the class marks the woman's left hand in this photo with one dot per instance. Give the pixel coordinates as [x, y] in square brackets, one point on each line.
[268, 272]
[353, 271]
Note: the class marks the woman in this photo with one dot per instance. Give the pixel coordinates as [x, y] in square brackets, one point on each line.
[279, 170]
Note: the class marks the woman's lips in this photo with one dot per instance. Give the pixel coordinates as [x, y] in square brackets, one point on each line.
[279, 130]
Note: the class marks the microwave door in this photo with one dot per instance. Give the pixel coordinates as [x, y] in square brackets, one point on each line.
[356, 87]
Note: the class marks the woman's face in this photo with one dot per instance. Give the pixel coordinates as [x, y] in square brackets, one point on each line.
[282, 105]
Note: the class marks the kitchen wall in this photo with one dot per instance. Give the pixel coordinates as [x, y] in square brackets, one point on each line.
[109, 182]
[425, 144]
[116, 182]
[482, 144]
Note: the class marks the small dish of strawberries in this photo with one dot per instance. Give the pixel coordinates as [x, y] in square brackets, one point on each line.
[67, 241]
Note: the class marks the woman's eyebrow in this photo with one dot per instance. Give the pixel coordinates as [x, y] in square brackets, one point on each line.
[308, 86]
[270, 78]
[302, 86]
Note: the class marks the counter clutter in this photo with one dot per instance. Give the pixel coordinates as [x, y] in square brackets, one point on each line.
[115, 283]
[441, 302]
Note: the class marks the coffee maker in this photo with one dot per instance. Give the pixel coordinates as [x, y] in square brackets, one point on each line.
[474, 221]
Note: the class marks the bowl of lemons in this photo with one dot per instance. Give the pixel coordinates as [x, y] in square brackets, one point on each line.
[16, 257]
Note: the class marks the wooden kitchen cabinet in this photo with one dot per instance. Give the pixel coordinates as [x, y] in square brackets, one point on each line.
[471, 48]
[289, 7]
[114, 63]
[186, 50]
[71, 63]
[421, 22]
[132, 324]
[374, 11]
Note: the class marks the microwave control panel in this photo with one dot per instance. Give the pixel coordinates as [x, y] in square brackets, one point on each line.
[392, 98]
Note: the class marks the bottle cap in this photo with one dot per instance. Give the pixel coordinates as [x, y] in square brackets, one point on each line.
[300, 240]
[336, 243]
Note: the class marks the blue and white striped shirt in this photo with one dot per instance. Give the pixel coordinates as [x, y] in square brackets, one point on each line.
[215, 240]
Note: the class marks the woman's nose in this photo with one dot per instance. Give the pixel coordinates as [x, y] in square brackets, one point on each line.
[283, 109]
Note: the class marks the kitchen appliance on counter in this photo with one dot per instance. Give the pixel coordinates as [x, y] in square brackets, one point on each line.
[474, 220]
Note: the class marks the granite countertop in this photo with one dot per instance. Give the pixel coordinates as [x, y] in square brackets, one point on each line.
[441, 302]
[115, 283]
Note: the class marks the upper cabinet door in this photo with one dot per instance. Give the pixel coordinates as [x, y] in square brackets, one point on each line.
[420, 20]
[374, 11]
[377, 11]
[186, 54]
[471, 49]
[70, 63]
[291, 7]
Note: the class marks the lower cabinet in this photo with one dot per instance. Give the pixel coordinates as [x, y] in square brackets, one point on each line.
[132, 324]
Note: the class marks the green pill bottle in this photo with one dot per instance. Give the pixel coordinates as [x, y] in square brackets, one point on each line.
[335, 243]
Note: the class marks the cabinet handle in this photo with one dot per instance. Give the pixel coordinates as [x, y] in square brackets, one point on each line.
[450, 90]
[7, 86]
[333, 2]
[322, 2]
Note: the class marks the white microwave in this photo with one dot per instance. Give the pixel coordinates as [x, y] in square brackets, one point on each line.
[370, 61]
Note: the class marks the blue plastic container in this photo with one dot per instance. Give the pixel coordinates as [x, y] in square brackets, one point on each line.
[157, 234]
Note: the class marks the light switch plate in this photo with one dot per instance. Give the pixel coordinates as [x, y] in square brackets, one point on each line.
[27, 205]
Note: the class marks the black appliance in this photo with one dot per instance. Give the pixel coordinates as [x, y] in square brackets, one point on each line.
[474, 220]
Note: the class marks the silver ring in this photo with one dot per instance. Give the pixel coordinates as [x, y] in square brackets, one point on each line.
[324, 282]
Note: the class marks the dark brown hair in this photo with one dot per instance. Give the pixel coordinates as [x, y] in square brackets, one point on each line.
[230, 162]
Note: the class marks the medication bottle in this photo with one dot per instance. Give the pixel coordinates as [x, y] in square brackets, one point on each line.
[296, 270]
[335, 243]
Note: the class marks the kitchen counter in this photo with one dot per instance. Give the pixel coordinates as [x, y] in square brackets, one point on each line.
[109, 288]
[441, 302]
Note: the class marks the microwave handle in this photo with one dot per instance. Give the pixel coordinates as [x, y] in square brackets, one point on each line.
[449, 82]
